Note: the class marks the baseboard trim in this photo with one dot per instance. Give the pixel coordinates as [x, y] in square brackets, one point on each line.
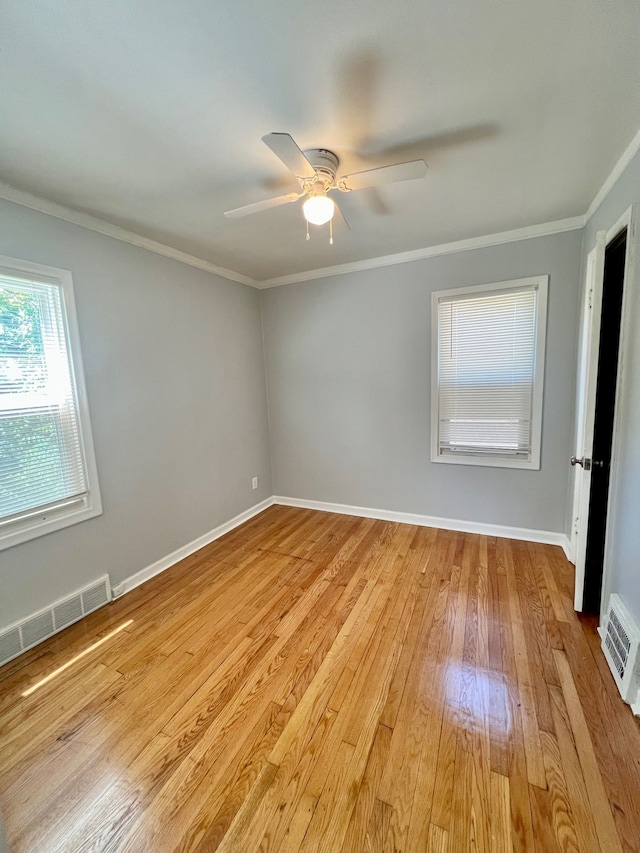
[180, 553]
[529, 535]
[568, 550]
[546, 537]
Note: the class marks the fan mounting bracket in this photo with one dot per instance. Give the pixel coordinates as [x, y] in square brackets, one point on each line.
[325, 164]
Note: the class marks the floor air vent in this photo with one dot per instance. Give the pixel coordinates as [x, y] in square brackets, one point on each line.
[621, 646]
[38, 627]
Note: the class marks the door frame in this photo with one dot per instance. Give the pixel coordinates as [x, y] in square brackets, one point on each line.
[585, 408]
[585, 414]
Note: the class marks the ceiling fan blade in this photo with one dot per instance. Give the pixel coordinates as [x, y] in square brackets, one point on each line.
[383, 175]
[257, 206]
[284, 147]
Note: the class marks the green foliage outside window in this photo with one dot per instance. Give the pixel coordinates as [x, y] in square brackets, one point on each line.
[30, 442]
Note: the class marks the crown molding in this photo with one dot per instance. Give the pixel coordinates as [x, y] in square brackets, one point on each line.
[629, 153]
[85, 220]
[101, 226]
[93, 223]
[542, 230]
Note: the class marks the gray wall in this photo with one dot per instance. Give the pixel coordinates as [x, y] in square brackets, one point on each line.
[348, 378]
[175, 380]
[623, 571]
[174, 370]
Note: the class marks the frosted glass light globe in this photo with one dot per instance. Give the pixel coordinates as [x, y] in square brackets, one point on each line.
[318, 209]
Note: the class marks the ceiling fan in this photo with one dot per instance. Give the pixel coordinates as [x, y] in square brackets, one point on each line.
[316, 170]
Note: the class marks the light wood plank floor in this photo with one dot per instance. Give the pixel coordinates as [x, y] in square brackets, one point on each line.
[315, 682]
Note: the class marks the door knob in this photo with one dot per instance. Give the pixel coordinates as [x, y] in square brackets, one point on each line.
[586, 463]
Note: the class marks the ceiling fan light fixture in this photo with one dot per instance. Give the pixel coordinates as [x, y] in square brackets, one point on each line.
[318, 209]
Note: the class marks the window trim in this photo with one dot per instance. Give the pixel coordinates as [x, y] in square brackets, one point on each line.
[534, 460]
[42, 520]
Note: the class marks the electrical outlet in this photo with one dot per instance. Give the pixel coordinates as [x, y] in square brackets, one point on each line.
[254, 483]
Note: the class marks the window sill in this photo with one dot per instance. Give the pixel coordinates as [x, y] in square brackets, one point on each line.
[493, 462]
[48, 521]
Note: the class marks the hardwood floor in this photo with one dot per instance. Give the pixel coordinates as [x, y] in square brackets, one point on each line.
[316, 682]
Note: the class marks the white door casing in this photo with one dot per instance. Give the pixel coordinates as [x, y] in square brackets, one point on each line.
[628, 220]
[585, 409]
[586, 397]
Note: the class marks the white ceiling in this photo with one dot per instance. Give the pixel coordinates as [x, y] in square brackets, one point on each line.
[149, 114]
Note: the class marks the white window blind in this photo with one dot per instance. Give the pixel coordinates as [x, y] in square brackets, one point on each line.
[43, 466]
[487, 372]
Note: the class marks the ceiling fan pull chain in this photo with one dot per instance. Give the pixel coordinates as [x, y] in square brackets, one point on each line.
[308, 237]
[330, 232]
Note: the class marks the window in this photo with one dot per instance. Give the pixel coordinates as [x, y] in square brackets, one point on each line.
[48, 476]
[488, 366]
